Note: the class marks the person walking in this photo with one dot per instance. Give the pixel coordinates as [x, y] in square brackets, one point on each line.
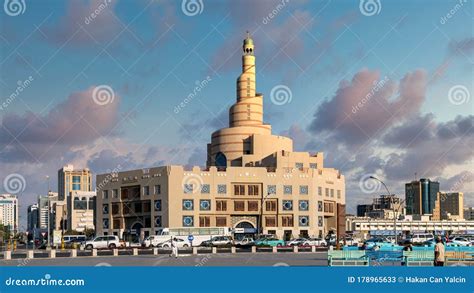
[439, 253]
[174, 247]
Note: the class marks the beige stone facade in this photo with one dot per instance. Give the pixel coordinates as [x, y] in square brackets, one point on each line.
[253, 182]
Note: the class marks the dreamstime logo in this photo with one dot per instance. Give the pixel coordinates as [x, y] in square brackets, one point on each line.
[452, 12]
[369, 185]
[192, 7]
[275, 11]
[459, 95]
[378, 85]
[280, 95]
[200, 85]
[21, 86]
[103, 95]
[98, 10]
[458, 264]
[281, 264]
[370, 7]
[14, 183]
[192, 183]
[14, 7]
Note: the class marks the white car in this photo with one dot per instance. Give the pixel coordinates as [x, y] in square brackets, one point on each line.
[315, 242]
[247, 241]
[180, 243]
[461, 241]
[110, 241]
[296, 241]
[152, 241]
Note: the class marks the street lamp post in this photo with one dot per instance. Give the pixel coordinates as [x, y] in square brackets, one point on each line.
[393, 208]
[260, 225]
[48, 246]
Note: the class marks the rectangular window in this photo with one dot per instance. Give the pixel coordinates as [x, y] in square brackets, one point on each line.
[157, 189]
[146, 190]
[253, 206]
[204, 221]
[287, 189]
[270, 221]
[158, 221]
[105, 194]
[221, 221]
[338, 194]
[332, 192]
[320, 191]
[320, 221]
[271, 189]
[115, 208]
[114, 193]
[299, 166]
[158, 205]
[188, 221]
[205, 205]
[221, 205]
[304, 189]
[320, 206]
[137, 207]
[239, 189]
[271, 206]
[239, 206]
[287, 221]
[287, 205]
[313, 165]
[253, 189]
[221, 188]
[146, 207]
[327, 192]
[188, 205]
[205, 188]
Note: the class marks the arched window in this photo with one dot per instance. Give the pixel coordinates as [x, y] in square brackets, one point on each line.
[221, 160]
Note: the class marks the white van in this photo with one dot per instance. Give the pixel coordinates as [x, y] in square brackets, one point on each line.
[421, 237]
[74, 238]
[110, 241]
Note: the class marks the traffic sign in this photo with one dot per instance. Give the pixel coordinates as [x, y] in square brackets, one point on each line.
[43, 233]
[190, 238]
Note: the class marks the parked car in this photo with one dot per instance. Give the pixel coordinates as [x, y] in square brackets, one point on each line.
[270, 242]
[151, 241]
[461, 241]
[246, 241]
[180, 243]
[315, 242]
[419, 238]
[110, 241]
[218, 241]
[296, 242]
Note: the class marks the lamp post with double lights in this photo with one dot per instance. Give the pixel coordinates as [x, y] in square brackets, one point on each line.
[393, 208]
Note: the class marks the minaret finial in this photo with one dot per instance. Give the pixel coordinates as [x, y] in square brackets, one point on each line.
[248, 35]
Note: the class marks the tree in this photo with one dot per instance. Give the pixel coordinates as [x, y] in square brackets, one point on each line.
[89, 232]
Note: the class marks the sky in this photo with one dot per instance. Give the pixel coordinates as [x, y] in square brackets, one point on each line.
[383, 88]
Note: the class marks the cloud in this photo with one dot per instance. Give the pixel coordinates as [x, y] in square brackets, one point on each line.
[368, 105]
[85, 23]
[76, 121]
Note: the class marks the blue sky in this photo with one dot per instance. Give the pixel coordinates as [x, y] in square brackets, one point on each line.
[151, 53]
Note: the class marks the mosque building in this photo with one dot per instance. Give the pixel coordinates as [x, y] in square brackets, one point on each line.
[253, 182]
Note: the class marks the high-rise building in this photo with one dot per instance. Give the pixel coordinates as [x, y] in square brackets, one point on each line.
[420, 196]
[469, 213]
[32, 220]
[9, 211]
[73, 180]
[382, 207]
[254, 182]
[449, 206]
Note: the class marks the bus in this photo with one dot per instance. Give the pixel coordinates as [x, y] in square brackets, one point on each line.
[199, 234]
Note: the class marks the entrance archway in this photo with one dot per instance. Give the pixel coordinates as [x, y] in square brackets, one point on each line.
[244, 229]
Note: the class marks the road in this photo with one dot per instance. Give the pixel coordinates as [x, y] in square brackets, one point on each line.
[219, 259]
